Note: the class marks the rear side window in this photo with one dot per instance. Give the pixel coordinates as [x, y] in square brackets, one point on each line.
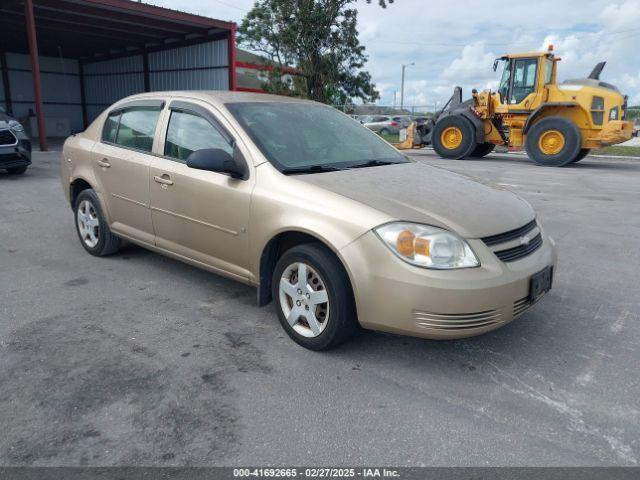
[137, 127]
[188, 132]
[111, 128]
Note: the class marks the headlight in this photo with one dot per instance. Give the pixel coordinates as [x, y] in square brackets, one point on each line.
[426, 246]
[15, 126]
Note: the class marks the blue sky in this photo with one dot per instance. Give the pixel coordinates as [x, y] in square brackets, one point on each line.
[455, 42]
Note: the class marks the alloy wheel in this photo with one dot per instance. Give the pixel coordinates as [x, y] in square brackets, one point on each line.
[88, 224]
[304, 299]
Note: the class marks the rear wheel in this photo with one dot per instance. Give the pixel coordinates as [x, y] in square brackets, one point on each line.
[385, 131]
[583, 153]
[482, 150]
[92, 227]
[313, 297]
[553, 142]
[454, 137]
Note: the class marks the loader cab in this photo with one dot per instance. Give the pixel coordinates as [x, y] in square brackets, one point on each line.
[523, 81]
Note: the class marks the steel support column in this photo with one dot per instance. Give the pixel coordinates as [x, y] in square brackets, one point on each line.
[145, 71]
[5, 82]
[83, 98]
[232, 58]
[35, 72]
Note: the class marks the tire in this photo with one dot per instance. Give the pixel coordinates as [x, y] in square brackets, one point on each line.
[336, 318]
[454, 137]
[560, 137]
[91, 226]
[583, 153]
[482, 150]
[16, 170]
[385, 131]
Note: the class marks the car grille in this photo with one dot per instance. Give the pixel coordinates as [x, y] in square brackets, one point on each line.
[457, 321]
[509, 236]
[520, 306]
[7, 138]
[526, 244]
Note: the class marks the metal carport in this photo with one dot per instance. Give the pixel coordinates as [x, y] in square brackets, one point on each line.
[93, 52]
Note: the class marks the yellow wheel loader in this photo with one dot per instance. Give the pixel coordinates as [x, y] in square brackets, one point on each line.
[557, 123]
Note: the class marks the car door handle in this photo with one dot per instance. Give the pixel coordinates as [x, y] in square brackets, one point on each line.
[164, 179]
[104, 163]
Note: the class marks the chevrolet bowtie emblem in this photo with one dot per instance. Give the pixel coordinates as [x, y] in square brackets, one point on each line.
[524, 240]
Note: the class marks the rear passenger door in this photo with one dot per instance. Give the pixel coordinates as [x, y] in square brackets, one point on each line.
[121, 164]
[199, 214]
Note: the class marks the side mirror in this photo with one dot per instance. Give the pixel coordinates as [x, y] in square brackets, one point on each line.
[217, 160]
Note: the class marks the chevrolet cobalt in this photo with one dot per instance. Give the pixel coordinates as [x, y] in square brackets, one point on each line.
[323, 217]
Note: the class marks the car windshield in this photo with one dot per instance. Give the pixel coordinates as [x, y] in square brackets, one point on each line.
[310, 138]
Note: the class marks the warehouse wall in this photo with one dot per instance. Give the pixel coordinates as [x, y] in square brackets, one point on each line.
[203, 66]
[60, 88]
[110, 80]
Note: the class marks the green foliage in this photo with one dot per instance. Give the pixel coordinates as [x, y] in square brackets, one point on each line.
[319, 38]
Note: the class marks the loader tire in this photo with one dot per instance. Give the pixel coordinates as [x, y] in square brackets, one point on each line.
[553, 142]
[454, 137]
[482, 150]
[583, 153]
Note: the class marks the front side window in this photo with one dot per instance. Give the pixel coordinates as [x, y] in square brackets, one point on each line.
[303, 135]
[188, 132]
[137, 128]
[524, 79]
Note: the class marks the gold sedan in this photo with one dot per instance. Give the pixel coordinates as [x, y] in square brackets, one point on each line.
[324, 218]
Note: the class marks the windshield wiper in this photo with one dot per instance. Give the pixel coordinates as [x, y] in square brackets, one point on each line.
[311, 169]
[373, 163]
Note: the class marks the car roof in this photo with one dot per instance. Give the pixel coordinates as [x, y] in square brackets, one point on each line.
[219, 97]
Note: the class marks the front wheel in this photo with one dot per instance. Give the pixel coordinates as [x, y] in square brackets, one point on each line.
[482, 150]
[16, 170]
[313, 297]
[454, 137]
[553, 142]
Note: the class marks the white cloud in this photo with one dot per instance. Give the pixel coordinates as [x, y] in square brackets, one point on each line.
[455, 42]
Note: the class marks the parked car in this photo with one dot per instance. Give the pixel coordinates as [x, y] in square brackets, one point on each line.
[323, 217]
[15, 146]
[382, 124]
[403, 120]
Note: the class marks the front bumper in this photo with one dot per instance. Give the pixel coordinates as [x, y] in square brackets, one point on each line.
[16, 155]
[616, 131]
[396, 297]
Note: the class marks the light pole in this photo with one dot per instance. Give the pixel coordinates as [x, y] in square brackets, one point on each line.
[402, 84]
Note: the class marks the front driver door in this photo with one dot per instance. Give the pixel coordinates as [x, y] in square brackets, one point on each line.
[524, 88]
[199, 214]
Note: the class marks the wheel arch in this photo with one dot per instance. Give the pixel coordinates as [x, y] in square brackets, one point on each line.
[76, 186]
[279, 243]
[557, 109]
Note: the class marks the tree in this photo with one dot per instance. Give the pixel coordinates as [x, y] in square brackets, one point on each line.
[319, 38]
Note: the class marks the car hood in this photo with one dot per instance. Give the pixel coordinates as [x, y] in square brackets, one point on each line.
[420, 193]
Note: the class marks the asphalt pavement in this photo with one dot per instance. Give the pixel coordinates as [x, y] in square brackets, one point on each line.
[138, 359]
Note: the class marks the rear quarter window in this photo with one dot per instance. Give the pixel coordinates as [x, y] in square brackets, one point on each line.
[110, 128]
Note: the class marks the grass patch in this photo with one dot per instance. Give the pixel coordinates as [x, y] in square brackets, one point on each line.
[618, 150]
[391, 138]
